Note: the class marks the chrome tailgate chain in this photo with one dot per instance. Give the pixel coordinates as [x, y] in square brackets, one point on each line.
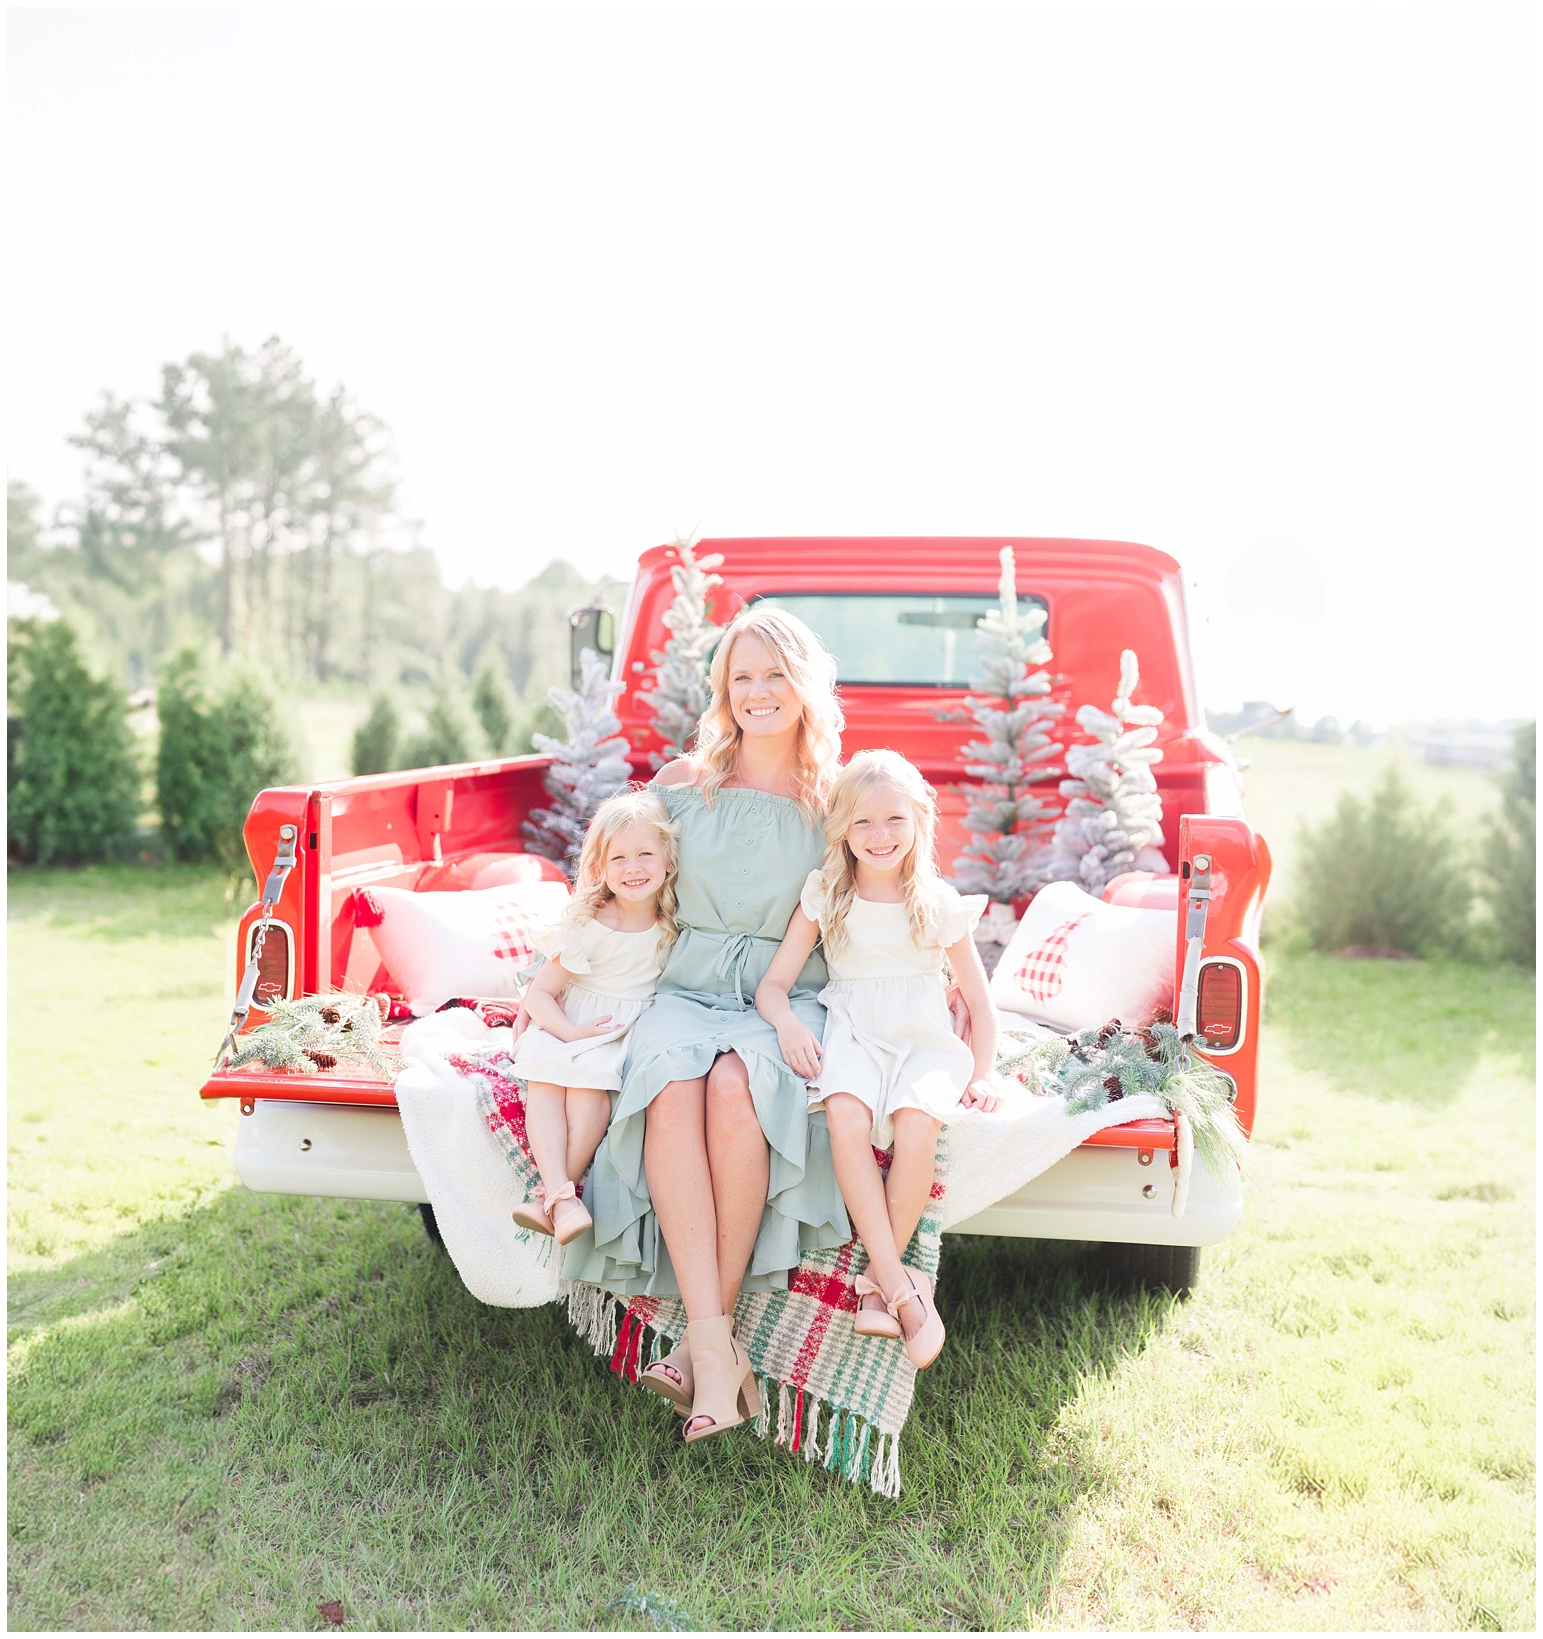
[1199, 899]
[283, 864]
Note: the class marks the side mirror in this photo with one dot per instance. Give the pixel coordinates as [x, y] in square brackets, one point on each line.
[589, 628]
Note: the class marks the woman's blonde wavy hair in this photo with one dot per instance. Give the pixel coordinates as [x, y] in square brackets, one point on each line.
[812, 672]
[867, 772]
[612, 817]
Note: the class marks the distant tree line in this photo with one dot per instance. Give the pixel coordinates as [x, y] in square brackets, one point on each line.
[245, 511]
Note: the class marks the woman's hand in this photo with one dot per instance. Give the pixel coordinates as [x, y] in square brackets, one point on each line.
[979, 1096]
[600, 1026]
[521, 1019]
[800, 1047]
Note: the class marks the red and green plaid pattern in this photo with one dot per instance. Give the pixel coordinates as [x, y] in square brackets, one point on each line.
[828, 1394]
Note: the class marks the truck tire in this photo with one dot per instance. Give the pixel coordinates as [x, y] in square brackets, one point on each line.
[1158, 1268]
[430, 1226]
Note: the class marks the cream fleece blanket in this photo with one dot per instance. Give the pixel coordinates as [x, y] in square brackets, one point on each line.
[474, 1191]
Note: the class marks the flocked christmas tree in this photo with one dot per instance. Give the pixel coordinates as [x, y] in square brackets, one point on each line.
[1008, 817]
[1114, 818]
[588, 767]
[680, 693]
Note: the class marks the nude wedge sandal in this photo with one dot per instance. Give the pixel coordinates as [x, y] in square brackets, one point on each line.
[726, 1393]
[877, 1321]
[679, 1389]
[923, 1345]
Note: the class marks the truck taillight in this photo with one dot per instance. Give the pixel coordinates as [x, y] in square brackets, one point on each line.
[276, 965]
[1219, 1012]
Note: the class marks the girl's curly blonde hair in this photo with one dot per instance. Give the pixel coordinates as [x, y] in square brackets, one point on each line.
[811, 670]
[867, 772]
[613, 817]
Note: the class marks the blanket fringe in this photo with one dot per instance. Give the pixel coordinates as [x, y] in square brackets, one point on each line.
[852, 1447]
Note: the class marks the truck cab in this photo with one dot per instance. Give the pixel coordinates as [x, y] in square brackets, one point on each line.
[899, 615]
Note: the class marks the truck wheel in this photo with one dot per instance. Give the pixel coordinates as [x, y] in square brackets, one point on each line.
[431, 1227]
[1158, 1268]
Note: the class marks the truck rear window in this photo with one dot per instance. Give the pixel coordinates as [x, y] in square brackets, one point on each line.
[906, 638]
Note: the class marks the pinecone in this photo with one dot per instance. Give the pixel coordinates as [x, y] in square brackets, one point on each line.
[330, 1015]
[1113, 1088]
[322, 1061]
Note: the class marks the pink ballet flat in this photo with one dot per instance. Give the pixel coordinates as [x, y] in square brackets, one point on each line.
[570, 1217]
[925, 1343]
[874, 1321]
[532, 1214]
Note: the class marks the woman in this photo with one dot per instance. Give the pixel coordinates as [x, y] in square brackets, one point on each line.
[715, 1176]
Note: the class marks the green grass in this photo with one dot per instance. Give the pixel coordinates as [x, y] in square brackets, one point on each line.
[226, 1408]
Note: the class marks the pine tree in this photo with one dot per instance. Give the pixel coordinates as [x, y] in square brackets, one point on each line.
[681, 694]
[588, 767]
[219, 747]
[376, 738]
[451, 732]
[72, 776]
[1008, 818]
[1510, 854]
[1113, 821]
[495, 707]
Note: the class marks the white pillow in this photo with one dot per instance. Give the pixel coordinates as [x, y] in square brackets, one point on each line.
[473, 943]
[1076, 962]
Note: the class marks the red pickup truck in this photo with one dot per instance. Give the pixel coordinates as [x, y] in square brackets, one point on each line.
[899, 615]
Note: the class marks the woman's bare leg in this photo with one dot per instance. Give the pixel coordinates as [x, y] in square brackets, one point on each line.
[740, 1160]
[546, 1127]
[862, 1186]
[589, 1114]
[910, 1173]
[681, 1187]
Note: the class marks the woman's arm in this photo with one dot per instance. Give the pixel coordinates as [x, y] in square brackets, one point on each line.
[800, 1046]
[545, 1010]
[964, 958]
[682, 771]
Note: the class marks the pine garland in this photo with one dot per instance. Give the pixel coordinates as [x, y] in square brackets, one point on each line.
[680, 694]
[1108, 1062]
[314, 1033]
[1005, 814]
[588, 767]
[1114, 815]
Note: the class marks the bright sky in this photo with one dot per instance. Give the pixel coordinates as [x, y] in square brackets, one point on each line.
[1253, 286]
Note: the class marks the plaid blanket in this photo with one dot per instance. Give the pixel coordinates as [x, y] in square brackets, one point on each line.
[827, 1394]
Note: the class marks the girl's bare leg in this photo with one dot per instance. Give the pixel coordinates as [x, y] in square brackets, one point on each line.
[681, 1187]
[862, 1186]
[910, 1173]
[740, 1160]
[589, 1114]
[546, 1126]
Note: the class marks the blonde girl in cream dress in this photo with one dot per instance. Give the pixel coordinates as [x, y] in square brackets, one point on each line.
[890, 1070]
[603, 966]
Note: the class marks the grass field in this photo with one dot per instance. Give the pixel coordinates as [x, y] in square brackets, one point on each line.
[227, 1408]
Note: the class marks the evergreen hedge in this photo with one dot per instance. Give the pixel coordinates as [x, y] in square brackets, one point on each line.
[1385, 874]
[1509, 854]
[72, 772]
[221, 743]
[377, 737]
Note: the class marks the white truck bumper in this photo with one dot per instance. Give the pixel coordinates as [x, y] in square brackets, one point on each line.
[1097, 1194]
[293, 1148]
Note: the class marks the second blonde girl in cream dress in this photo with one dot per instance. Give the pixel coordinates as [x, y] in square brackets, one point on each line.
[889, 1039]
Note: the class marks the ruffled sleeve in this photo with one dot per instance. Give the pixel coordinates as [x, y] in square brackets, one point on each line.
[955, 914]
[812, 900]
[573, 947]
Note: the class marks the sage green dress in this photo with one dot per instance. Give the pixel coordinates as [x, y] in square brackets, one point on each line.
[743, 862]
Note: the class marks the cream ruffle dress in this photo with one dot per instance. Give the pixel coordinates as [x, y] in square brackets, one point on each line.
[614, 973]
[889, 1039]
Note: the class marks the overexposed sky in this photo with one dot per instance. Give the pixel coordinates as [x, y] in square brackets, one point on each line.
[1256, 286]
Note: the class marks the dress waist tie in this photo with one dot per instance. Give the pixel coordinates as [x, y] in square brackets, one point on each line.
[735, 954]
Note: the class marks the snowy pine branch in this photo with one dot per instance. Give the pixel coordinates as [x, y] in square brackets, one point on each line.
[680, 694]
[1113, 819]
[588, 767]
[1008, 818]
